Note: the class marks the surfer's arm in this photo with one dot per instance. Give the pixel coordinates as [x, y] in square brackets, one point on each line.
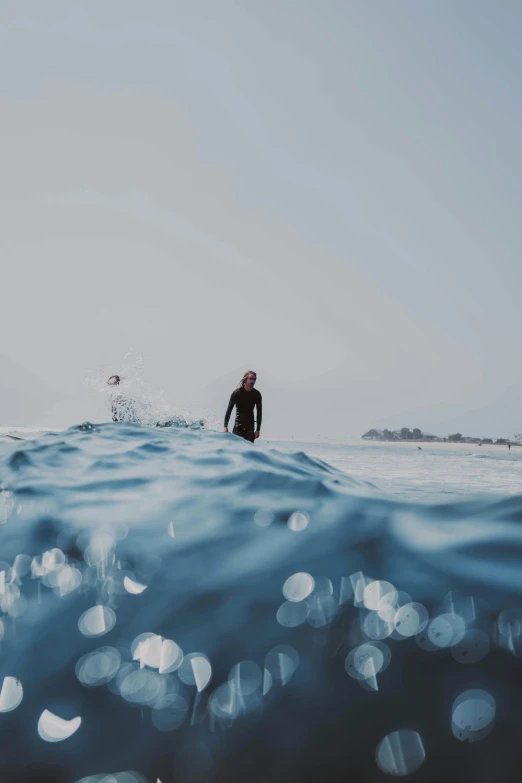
[231, 404]
[259, 413]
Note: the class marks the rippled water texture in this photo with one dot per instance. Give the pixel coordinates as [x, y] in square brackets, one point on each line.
[179, 605]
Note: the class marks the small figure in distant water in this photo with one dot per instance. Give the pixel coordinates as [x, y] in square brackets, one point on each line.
[509, 446]
[419, 448]
[246, 398]
[122, 407]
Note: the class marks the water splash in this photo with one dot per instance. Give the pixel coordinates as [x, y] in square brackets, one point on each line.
[137, 401]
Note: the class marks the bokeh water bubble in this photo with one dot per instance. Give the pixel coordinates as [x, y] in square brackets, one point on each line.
[400, 753]
[472, 648]
[291, 614]
[473, 715]
[142, 686]
[98, 667]
[365, 661]
[282, 662]
[264, 517]
[245, 677]
[377, 593]
[21, 566]
[171, 656]
[298, 521]
[97, 621]
[359, 581]
[147, 650]
[52, 728]
[133, 587]
[298, 586]
[67, 579]
[323, 610]
[446, 630]
[224, 703]
[411, 619]
[11, 694]
[195, 669]
[509, 627]
[374, 627]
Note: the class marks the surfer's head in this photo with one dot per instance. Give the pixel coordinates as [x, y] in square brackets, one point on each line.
[114, 380]
[248, 380]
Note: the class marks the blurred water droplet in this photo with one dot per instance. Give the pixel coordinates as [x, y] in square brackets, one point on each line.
[264, 517]
[400, 753]
[473, 647]
[98, 667]
[142, 686]
[446, 630]
[374, 627]
[411, 619]
[195, 670]
[133, 587]
[171, 656]
[148, 651]
[97, 621]
[267, 681]
[359, 582]
[282, 662]
[52, 728]
[323, 610]
[364, 661]
[298, 521]
[21, 566]
[378, 592]
[291, 615]
[345, 590]
[224, 703]
[245, 677]
[298, 587]
[473, 715]
[11, 694]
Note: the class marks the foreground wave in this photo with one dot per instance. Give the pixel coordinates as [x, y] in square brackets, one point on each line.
[179, 606]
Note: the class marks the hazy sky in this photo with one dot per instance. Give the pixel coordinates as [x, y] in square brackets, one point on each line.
[327, 192]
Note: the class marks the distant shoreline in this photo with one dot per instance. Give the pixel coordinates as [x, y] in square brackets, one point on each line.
[412, 444]
[405, 435]
[443, 442]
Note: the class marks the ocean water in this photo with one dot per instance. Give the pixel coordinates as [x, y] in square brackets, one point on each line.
[180, 605]
[432, 473]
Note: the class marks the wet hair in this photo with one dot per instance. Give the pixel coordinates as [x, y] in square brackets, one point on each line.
[115, 378]
[241, 384]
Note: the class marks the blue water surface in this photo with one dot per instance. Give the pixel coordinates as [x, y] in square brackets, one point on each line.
[213, 611]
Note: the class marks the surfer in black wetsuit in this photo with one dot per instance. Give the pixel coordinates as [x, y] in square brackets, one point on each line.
[246, 398]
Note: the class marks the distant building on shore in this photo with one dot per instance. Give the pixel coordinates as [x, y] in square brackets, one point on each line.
[374, 435]
[405, 434]
[393, 435]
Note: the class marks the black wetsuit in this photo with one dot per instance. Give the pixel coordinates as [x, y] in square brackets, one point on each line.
[245, 402]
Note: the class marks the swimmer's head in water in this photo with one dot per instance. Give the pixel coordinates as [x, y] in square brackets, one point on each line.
[248, 380]
[114, 380]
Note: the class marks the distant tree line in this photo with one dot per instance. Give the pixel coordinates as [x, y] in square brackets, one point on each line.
[405, 433]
